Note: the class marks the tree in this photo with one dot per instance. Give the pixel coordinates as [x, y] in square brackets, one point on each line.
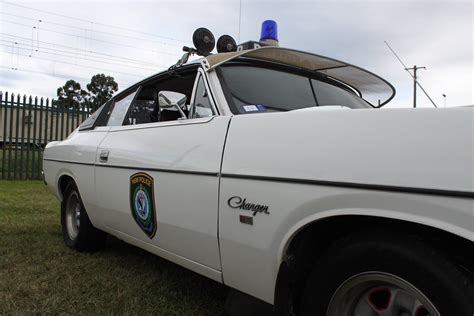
[71, 95]
[101, 88]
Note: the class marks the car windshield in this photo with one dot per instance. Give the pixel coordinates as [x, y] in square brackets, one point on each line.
[251, 89]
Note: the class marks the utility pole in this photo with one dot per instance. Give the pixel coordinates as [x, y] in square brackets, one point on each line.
[414, 68]
[414, 77]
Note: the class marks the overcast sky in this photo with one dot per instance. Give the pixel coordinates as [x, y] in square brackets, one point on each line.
[77, 41]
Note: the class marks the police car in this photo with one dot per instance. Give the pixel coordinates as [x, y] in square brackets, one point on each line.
[272, 171]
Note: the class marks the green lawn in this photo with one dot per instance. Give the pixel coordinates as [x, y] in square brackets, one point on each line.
[40, 275]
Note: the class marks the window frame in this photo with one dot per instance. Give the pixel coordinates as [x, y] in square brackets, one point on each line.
[187, 121]
[202, 74]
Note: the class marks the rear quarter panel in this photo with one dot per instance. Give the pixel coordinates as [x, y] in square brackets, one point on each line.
[374, 147]
[74, 157]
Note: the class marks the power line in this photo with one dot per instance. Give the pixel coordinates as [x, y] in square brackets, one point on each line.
[90, 38]
[68, 77]
[73, 56]
[95, 23]
[89, 30]
[136, 61]
[43, 73]
[73, 64]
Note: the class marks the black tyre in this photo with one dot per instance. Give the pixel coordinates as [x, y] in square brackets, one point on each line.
[387, 274]
[78, 232]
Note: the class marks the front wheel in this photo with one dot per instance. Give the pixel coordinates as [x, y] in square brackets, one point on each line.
[78, 232]
[386, 274]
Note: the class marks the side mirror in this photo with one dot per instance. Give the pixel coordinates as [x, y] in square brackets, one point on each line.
[168, 100]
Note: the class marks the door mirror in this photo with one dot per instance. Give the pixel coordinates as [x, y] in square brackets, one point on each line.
[174, 101]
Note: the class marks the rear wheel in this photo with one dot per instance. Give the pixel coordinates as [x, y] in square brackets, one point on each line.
[78, 232]
[387, 275]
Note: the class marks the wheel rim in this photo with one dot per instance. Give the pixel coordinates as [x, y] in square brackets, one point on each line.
[379, 294]
[73, 215]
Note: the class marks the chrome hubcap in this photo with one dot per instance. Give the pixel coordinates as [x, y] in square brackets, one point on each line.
[379, 294]
[73, 215]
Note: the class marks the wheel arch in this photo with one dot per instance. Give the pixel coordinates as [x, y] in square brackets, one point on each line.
[63, 180]
[316, 236]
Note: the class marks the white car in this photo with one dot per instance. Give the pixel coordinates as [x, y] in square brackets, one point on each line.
[271, 170]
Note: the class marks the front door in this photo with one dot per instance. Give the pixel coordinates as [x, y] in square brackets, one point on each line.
[157, 182]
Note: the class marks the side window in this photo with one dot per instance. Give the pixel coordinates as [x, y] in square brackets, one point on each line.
[142, 112]
[202, 105]
[120, 109]
[145, 106]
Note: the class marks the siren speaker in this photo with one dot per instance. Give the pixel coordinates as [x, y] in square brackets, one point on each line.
[226, 44]
[203, 41]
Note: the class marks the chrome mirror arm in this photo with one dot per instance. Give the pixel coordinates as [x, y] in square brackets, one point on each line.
[183, 115]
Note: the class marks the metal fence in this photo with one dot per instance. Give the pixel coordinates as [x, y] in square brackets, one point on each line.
[27, 124]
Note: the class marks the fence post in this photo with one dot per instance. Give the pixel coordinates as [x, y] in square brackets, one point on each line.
[67, 122]
[5, 121]
[40, 130]
[32, 122]
[46, 115]
[52, 122]
[73, 114]
[10, 136]
[22, 123]
[57, 123]
[17, 120]
[61, 135]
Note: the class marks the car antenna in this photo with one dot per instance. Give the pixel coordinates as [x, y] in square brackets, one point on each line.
[413, 76]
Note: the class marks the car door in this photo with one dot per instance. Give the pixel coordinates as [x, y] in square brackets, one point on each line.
[176, 164]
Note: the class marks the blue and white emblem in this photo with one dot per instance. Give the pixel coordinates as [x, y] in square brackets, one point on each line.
[142, 202]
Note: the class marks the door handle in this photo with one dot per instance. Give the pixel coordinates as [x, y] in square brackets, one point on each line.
[104, 156]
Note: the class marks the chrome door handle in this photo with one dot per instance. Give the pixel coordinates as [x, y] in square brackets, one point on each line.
[104, 156]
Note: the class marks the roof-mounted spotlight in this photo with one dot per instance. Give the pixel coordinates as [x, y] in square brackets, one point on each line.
[226, 44]
[204, 41]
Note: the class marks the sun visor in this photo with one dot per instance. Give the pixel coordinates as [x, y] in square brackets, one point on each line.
[371, 87]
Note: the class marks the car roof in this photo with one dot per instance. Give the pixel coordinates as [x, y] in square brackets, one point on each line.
[370, 86]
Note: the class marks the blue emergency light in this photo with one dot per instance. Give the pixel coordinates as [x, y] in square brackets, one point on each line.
[269, 31]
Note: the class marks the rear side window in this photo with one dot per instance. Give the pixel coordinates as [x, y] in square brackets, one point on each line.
[89, 123]
[120, 109]
[98, 118]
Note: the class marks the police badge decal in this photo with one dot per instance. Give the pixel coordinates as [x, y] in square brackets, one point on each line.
[142, 202]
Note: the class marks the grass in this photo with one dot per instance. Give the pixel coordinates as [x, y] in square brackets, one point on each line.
[40, 275]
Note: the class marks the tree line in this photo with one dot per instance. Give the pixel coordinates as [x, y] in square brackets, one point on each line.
[99, 90]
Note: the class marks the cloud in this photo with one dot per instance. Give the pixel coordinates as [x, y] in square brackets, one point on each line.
[435, 34]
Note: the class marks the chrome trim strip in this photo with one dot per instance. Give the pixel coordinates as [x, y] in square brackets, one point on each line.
[388, 188]
[178, 171]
